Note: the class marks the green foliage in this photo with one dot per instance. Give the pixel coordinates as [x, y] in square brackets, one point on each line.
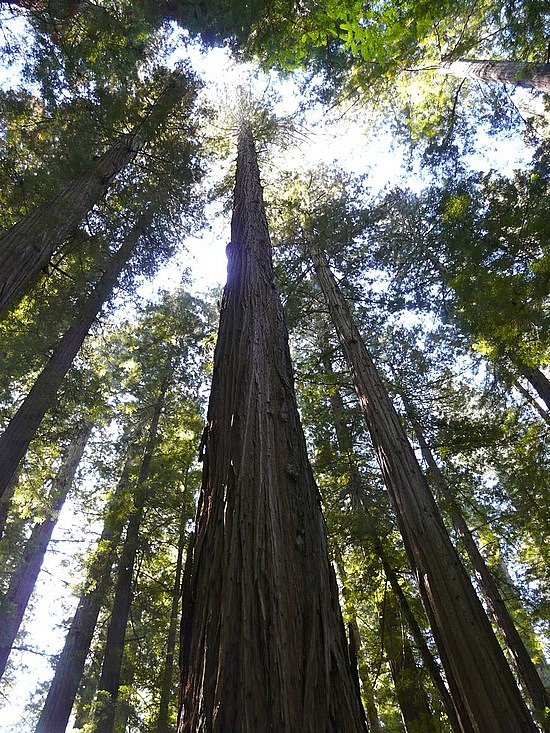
[440, 281]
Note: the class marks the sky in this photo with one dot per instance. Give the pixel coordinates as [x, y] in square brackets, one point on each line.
[325, 139]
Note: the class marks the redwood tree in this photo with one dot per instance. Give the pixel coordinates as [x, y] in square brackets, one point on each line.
[263, 643]
[26, 248]
[14, 603]
[70, 665]
[481, 682]
[527, 671]
[109, 681]
[23, 425]
[528, 75]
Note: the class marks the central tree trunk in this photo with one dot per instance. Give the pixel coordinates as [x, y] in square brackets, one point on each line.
[263, 643]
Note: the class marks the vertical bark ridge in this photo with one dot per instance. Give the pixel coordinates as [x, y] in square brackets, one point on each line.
[264, 645]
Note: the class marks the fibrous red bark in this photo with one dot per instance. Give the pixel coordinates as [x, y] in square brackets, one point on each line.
[263, 643]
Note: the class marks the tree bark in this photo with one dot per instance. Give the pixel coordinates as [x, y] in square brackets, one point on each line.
[109, 681]
[70, 666]
[14, 603]
[27, 247]
[517, 73]
[481, 682]
[263, 645]
[539, 381]
[163, 725]
[524, 664]
[531, 400]
[23, 425]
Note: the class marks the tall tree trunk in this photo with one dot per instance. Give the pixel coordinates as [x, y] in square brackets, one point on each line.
[163, 725]
[524, 664]
[481, 682]
[264, 645]
[14, 603]
[23, 425]
[27, 247]
[357, 654]
[109, 680]
[520, 74]
[407, 677]
[70, 666]
[345, 445]
[539, 382]
[531, 400]
[432, 667]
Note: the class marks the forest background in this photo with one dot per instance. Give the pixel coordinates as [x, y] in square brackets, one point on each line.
[432, 208]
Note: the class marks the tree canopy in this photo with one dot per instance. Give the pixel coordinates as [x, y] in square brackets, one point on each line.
[411, 311]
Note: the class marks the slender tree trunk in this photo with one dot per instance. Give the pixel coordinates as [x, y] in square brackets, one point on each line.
[70, 666]
[407, 677]
[109, 681]
[23, 425]
[27, 247]
[345, 445]
[524, 664]
[22, 583]
[449, 705]
[357, 654]
[517, 73]
[531, 400]
[539, 381]
[264, 646]
[481, 682]
[163, 725]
